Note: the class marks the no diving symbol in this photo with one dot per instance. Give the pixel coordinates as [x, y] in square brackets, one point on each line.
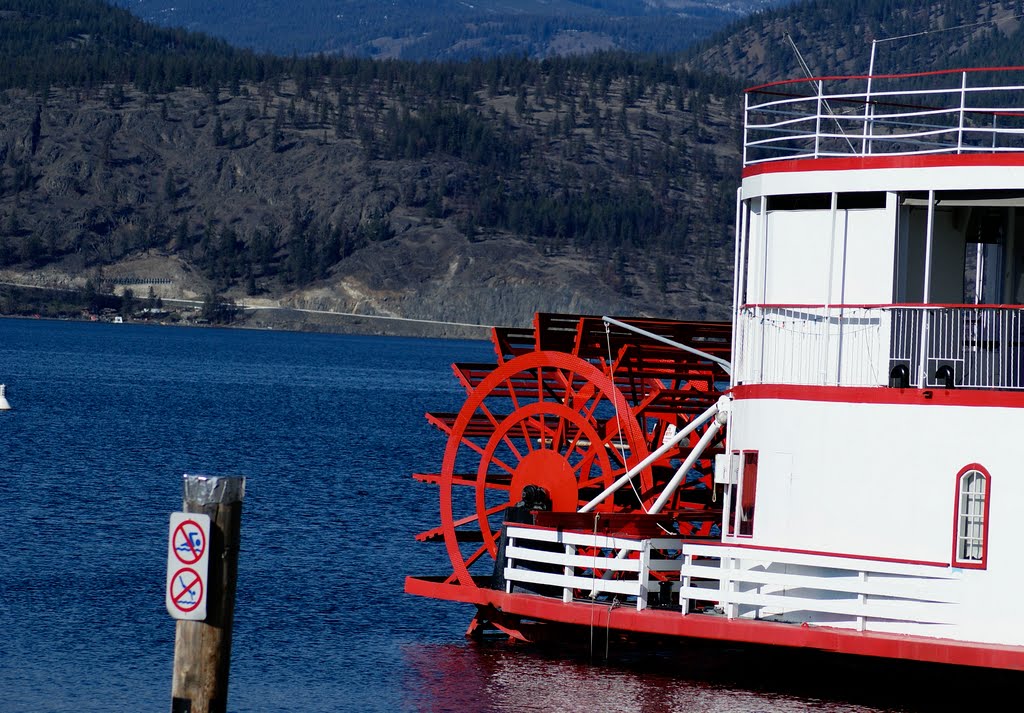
[186, 589]
[188, 564]
[189, 542]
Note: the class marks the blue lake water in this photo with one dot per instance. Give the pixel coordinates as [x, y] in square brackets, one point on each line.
[327, 429]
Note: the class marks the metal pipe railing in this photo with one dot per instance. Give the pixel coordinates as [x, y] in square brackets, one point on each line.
[881, 118]
[982, 346]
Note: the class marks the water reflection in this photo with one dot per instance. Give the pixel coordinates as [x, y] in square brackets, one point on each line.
[703, 677]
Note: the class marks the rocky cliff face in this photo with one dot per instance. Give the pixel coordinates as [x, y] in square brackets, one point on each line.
[275, 196]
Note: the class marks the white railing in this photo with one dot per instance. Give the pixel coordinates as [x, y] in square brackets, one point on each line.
[807, 588]
[956, 111]
[735, 582]
[961, 346]
[588, 566]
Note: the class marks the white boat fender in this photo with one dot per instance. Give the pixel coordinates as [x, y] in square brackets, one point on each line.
[4, 405]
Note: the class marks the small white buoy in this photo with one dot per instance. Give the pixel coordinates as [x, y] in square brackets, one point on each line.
[4, 405]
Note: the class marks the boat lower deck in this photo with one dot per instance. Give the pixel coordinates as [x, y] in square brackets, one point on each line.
[515, 612]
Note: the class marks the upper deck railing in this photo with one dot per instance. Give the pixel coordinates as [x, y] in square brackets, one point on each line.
[921, 346]
[952, 111]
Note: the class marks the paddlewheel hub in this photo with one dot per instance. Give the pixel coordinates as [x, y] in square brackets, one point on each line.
[548, 470]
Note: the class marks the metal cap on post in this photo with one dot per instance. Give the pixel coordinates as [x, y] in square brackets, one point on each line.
[202, 649]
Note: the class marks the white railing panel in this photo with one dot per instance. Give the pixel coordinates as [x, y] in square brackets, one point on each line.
[978, 347]
[739, 582]
[777, 606]
[852, 583]
[613, 565]
[972, 108]
[573, 560]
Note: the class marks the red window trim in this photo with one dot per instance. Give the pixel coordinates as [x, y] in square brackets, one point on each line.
[983, 562]
[733, 522]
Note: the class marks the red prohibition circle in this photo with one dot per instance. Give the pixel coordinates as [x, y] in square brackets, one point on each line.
[186, 587]
[180, 529]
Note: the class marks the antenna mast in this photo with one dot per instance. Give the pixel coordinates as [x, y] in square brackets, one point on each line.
[810, 75]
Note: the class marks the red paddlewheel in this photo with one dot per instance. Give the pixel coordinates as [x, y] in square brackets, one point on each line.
[543, 418]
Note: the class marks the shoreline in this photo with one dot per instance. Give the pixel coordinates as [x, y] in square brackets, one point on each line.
[359, 327]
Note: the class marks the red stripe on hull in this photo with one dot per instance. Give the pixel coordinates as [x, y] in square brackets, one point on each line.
[802, 165]
[704, 626]
[881, 395]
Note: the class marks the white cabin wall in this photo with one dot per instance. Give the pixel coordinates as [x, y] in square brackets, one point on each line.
[853, 479]
[754, 283]
[865, 248]
[796, 269]
[798, 254]
[861, 482]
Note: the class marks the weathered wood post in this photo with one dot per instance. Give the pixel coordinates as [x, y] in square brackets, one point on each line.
[202, 649]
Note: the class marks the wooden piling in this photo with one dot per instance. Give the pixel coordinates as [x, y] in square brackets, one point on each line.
[202, 649]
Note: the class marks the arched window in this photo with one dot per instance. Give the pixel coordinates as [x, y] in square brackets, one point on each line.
[970, 546]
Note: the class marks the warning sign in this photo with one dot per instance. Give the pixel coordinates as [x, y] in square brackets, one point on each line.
[188, 555]
[189, 541]
[186, 590]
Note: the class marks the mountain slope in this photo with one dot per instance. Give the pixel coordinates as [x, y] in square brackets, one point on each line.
[475, 192]
[450, 29]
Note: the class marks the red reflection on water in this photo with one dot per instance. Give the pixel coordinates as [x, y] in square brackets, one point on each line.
[697, 678]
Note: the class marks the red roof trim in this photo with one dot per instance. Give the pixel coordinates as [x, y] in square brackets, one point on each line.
[909, 75]
[858, 163]
[881, 395]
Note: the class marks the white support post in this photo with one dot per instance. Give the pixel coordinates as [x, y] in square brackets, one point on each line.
[726, 587]
[644, 575]
[746, 117]
[509, 564]
[739, 280]
[963, 97]
[684, 583]
[680, 474]
[570, 550]
[817, 120]
[828, 292]
[665, 448]
[865, 147]
[862, 599]
[929, 238]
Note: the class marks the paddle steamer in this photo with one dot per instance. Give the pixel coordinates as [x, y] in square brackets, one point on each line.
[838, 468]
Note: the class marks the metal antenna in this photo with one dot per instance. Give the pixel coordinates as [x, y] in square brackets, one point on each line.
[828, 108]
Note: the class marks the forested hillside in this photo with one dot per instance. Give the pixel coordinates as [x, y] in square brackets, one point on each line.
[835, 39]
[158, 161]
[474, 192]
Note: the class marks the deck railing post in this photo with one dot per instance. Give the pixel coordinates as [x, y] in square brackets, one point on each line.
[684, 583]
[726, 587]
[963, 99]
[817, 120]
[746, 124]
[570, 550]
[644, 575]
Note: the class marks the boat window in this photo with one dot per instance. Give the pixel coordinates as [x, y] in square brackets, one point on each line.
[746, 495]
[971, 517]
[802, 201]
[861, 201]
[823, 201]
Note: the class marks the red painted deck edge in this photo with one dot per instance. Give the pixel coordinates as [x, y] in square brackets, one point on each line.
[703, 626]
[801, 165]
